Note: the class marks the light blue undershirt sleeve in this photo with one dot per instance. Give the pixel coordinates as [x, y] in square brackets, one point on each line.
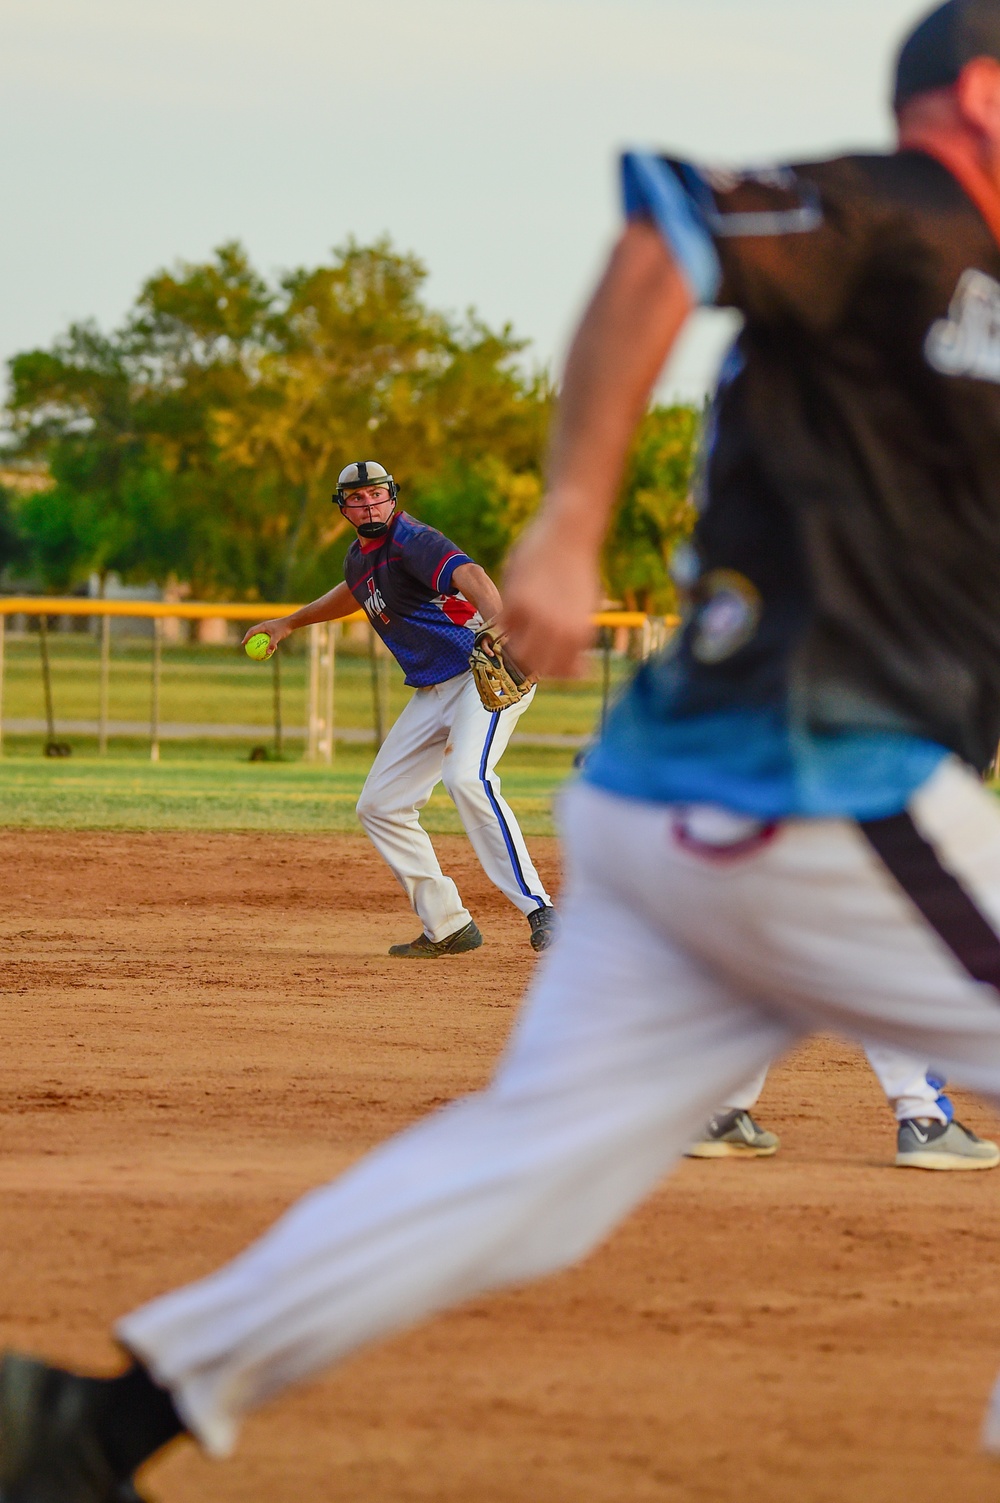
[650, 189]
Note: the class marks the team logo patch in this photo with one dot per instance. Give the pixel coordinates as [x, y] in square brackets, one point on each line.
[967, 342]
[727, 616]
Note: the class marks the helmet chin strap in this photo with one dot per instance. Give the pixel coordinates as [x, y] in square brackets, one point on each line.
[372, 529]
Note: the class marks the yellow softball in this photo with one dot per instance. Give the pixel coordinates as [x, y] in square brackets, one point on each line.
[258, 645]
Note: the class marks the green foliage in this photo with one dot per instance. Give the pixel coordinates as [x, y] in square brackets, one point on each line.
[13, 544]
[656, 512]
[483, 504]
[202, 440]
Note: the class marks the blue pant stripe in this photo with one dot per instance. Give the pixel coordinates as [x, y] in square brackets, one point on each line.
[508, 842]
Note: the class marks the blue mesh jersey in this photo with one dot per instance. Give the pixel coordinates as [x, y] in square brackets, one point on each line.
[403, 582]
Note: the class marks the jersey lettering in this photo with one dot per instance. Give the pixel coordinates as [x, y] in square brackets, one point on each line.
[967, 342]
[374, 603]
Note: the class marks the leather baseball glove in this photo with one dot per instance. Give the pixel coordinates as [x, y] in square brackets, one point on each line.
[499, 680]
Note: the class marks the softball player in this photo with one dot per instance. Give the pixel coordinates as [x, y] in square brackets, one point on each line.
[835, 687]
[425, 598]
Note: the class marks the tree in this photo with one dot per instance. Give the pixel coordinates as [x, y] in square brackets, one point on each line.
[656, 512]
[122, 421]
[360, 367]
[483, 505]
[13, 544]
[71, 405]
[202, 440]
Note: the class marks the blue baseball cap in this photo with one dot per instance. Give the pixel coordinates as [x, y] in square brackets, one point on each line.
[934, 54]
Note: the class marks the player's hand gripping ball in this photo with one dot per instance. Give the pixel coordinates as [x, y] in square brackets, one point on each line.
[258, 646]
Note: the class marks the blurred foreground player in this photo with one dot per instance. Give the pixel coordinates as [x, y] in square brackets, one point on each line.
[834, 689]
[427, 600]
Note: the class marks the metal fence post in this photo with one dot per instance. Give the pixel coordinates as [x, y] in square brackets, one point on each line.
[329, 662]
[154, 704]
[102, 693]
[276, 701]
[312, 725]
[322, 660]
[50, 719]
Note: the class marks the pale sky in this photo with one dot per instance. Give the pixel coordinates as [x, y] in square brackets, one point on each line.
[481, 134]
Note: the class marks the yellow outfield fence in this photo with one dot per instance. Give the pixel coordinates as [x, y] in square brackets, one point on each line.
[175, 610]
[320, 729]
[204, 610]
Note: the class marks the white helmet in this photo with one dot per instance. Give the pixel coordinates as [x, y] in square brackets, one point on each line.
[357, 476]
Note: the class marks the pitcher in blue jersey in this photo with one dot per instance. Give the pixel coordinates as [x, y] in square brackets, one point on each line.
[425, 597]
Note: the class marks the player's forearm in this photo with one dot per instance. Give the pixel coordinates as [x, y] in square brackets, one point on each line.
[332, 606]
[479, 589]
[624, 338]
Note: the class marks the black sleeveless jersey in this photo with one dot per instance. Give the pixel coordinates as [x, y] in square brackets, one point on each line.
[847, 557]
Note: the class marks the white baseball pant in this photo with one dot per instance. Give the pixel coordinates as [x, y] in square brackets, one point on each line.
[444, 734]
[676, 976]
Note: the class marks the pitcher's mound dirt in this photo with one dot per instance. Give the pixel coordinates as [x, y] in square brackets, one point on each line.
[198, 1028]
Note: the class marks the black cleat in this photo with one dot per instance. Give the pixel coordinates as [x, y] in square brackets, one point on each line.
[49, 1449]
[543, 925]
[423, 948]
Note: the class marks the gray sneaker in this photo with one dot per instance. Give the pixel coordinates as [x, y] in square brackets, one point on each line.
[734, 1135]
[943, 1145]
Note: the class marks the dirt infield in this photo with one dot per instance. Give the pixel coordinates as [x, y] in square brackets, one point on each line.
[198, 1027]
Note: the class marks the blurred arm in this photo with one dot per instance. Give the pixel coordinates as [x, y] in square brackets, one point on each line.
[552, 583]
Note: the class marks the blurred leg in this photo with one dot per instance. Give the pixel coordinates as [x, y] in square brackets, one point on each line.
[624, 1046]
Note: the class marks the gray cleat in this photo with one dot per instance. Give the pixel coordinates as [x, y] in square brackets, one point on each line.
[49, 1451]
[422, 948]
[943, 1145]
[734, 1135]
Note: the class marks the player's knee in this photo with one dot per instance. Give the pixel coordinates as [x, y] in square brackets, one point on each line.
[374, 814]
[365, 807]
[464, 789]
[453, 778]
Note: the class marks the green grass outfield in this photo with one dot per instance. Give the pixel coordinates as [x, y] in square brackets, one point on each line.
[198, 786]
[204, 784]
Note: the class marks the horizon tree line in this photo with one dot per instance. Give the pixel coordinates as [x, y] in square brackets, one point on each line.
[200, 442]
